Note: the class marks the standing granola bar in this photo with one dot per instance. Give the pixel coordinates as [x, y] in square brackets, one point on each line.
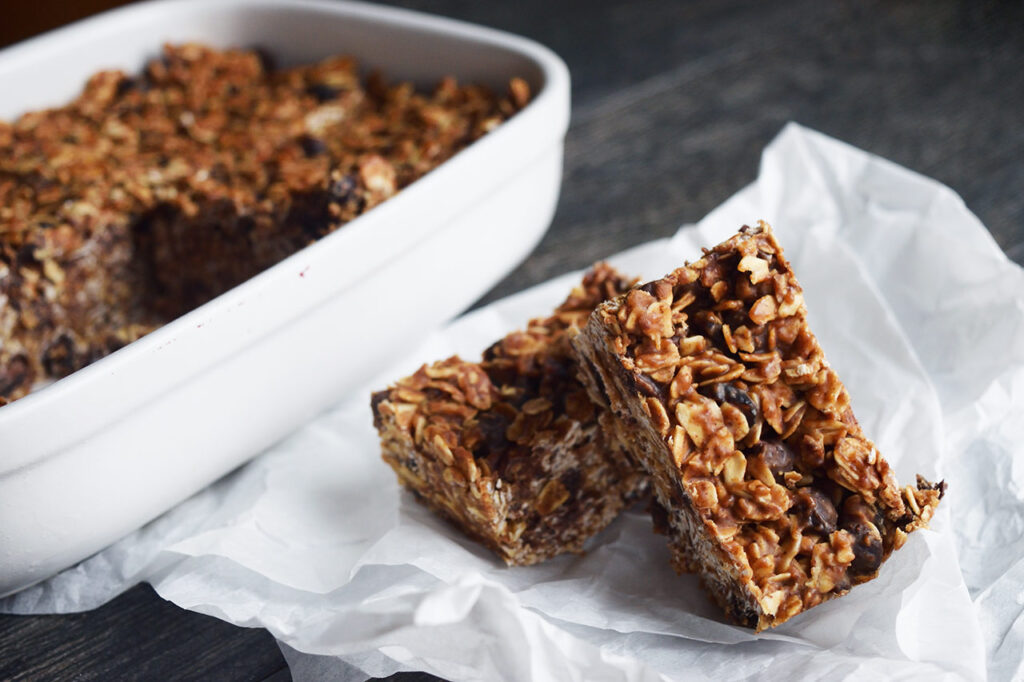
[510, 449]
[768, 488]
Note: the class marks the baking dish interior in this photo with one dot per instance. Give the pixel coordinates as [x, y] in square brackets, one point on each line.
[51, 69]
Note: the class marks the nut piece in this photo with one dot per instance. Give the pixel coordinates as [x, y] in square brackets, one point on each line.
[816, 511]
[519, 91]
[758, 268]
[763, 310]
[552, 497]
[378, 176]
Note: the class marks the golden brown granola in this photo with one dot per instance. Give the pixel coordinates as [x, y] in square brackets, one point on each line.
[768, 488]
[147, 196]
[510, 449]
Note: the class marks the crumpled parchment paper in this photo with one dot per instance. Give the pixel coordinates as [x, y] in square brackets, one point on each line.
[918, 310]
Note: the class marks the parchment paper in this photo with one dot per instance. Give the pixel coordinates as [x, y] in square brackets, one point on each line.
[918, 310]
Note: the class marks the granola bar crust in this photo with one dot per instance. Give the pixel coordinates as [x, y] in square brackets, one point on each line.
[149, 195]
[510, 449]
[765, 483]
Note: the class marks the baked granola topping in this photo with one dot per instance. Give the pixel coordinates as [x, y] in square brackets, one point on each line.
[768, 487]
[149, 195]
[511, 449]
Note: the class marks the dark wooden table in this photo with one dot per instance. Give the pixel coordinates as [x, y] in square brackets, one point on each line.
[672, 103]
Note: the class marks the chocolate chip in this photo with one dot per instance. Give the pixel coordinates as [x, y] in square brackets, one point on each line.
[492, 351]
[501, 372]
[778, 456]
[59, 357]
[341, 188]
[572, 480]
[375, 400]
[816, 510]
[312, 146]
[867, 548]
[27, 255]
[493, 426]
[658, 288]
[124, 86]
[924, 484]
[714, 391]
[648, 386]
[322, 91]
[708, 324]
[843, 585]
[555, 376]
[246, 224]
[735, 318]
[863, 522]
[727, 393]
[17, 374]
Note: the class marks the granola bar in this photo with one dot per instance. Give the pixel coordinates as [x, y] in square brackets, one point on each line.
[767, 487]
[149, 195]
[510, 449]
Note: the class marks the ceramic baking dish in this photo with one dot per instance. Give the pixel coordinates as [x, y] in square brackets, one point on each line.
[97, 454]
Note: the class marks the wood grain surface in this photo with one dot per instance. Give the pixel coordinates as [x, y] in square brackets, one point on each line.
[672, 104]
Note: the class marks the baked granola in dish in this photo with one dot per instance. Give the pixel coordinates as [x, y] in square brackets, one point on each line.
[765, 483]
[149, 195]
[510, 449]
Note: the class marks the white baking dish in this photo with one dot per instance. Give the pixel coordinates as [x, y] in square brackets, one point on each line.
[97, 454]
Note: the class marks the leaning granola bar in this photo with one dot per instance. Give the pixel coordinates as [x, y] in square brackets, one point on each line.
[510, 449]
[766, 484]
